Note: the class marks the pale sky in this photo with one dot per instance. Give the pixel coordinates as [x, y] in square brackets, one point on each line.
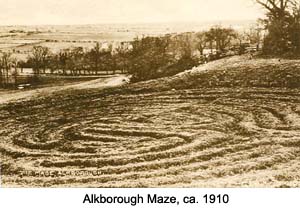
[32, 12]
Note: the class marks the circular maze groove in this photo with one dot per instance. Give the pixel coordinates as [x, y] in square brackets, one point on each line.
[190, 138]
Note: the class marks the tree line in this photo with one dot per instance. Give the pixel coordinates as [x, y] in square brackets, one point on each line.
[144, 58]
[155, 57]
[152, 57]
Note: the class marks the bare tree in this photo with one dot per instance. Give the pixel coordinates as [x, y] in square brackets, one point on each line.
[39, 57]
[283, 25]
[184, 43]
[62, 60]
[95, 54]
[201, 42]
[222, 37]
[78, 60]
[278, 9]
[1, 73]
[255, 35]
[14, 73]
[121, 57]
[210, 38]
[6, 62]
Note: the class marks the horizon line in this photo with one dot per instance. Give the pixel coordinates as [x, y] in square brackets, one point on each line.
[131, 23]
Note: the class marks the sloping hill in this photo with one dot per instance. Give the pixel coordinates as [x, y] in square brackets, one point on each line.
[237, 71]
[133, 136]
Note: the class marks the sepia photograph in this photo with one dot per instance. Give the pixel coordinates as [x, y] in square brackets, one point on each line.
[150, 94]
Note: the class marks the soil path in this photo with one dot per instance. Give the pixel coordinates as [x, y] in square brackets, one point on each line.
[9, 96]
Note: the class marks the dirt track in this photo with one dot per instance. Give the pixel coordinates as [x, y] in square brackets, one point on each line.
[9, 96]
[188, 138]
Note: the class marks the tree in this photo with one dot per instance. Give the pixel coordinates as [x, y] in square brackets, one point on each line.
[77, 56]
[210, 38]
[254, 35]
[5, 65]
[54, 63]
[1, 73]
[72, 60]
[294, 29]
[15, 64]
[94, 55]
[283, 25]
[148, 58]
[201, 41]
[223, 37]
[184, 43]
[121, 58]
[242, 37]
[220, 37]
[62, 60]
[107, 60]
[39, 58]
[277, 9]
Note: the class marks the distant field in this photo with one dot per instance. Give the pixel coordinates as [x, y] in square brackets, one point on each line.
[53, 46]
[59, 37]
[81, 36]
[22, 43]
[22, 38]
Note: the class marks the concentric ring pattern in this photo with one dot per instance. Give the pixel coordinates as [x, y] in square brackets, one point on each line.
[192, 138]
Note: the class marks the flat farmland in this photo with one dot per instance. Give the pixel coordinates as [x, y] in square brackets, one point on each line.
[24, 38]
[57, 37]
[21, 39]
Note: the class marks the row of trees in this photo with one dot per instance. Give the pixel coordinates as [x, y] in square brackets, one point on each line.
[163, 56]
[144, 58]
[283, 26]
[76, 60]
[153, 57]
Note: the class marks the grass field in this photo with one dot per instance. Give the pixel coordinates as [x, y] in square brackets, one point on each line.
[153, 135]
[21, 39]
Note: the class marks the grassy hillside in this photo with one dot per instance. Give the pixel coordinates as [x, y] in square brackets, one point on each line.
[234, 72]
[189, 135]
